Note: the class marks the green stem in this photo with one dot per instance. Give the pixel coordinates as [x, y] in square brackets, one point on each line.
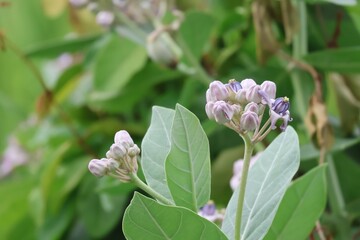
[138, 182]
[300, 49]
[249, 147]
[203, 76]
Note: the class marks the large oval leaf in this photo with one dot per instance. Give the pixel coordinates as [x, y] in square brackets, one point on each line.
[155, 147]
[147, 219]
[267, 181]
[302, 205]
[344, 60]
[188, 164]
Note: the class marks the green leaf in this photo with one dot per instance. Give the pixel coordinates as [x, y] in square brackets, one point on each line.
[195, 31]
[55, 48]
[98, 212]
[155, 148]
[308, 151]
[302, 205]
[147, 219]
[117, 62]
[339, 2]
[267, 182]
[345, 60]
[135, 91]
[188, 164]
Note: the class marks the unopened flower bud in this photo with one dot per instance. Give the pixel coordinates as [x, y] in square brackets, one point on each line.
[249, 121]
[134, 151]
[112, 164]
[253, 107]
[281, 105]
[160, 50]
[269, 88]
[247, 83]
[217, 91]
[105, 18]
[122, 137]
[223, 112]
[78, 3]
[98, 168]
[117, 151]
[252, 94]
[209, 110]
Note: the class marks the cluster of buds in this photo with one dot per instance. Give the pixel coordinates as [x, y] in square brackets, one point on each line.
[209, 212]
[140, 21]
[241, 105]
[120, 161]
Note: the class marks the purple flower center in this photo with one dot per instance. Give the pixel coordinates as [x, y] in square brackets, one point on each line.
[281, 105]
[235, 85]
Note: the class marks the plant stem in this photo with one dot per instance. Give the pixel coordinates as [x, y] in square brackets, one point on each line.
[203, 76]
[249, 147]
[138, 182]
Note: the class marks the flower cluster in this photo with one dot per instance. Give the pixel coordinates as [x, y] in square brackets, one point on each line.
[121, 159]
[209, 212]
[240, 105]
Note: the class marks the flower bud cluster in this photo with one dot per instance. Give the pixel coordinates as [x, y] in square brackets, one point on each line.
[121, 159]
[209, 212]
[240, 105]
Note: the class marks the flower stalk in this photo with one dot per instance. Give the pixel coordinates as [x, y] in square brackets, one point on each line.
[249, 147]
[139, 183]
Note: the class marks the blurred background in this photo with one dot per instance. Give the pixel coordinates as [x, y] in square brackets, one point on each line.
[72, 73]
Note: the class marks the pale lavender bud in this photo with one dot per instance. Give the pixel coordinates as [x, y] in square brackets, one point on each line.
[252, 94]
[247, 83]
[122, 137]
[249, 121]
[253, 107]
[223, 112]
[241, 96]
[218, 91]
[112, 164]
[134, 151]
[117, 151]
[269, 88]
[209, 110]
[78, 3]
[105, 18]
[98, 168]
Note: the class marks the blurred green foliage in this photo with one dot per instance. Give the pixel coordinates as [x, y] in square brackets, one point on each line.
[68, 85]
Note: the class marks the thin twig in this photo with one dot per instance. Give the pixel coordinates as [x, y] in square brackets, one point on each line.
[320, 231]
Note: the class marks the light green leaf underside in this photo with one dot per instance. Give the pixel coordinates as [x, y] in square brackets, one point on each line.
[188, 164]
[155, 148]
[267, 181]
[147, 219]
[302, 205]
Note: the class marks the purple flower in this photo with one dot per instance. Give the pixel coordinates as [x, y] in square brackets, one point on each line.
[279, 109]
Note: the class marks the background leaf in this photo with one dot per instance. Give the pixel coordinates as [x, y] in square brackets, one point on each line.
[117, 62]
[302, 205]
[267, 182]
[155, 148]
[337, 60]
[147, 219]
[188, 164]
